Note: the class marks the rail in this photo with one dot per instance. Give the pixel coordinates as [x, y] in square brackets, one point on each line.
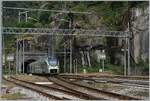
[111, 94]
[69, 92]
[15, 81]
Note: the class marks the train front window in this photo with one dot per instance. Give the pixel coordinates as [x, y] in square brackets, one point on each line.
[53, 62]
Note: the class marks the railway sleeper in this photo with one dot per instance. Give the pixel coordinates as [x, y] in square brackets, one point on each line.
[72, 92]
[82, 95]
[119, 96]
[38, 91]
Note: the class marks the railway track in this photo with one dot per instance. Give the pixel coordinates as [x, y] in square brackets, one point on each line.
[135, 83]
[81, 94]
[92, 91]
[69, 92]
[36, 88]
[109, 76]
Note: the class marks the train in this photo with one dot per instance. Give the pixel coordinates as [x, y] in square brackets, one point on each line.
[49, 65]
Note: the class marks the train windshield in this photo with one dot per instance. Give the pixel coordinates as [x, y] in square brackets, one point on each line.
[52, 61]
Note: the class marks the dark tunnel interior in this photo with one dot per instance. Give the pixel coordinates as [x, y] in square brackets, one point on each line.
[26, 63]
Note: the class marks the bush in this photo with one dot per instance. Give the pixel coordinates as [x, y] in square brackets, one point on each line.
[107, 67]
[143, 66]
[115, 69]
[89, 69]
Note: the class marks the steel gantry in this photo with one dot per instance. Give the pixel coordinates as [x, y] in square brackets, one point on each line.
[66, 32]
[1, 48]
[77, 32]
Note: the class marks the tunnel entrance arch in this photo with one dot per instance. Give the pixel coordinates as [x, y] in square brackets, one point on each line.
[26, 64]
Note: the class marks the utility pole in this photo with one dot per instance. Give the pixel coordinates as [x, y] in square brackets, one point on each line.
[52, 45]
[128, 40]
[103, 65]
[20, 58]
[1, 48]
[3, 51]
[129, 69]
[125, 63]
[70, 56]
[9, 67]
[26, 16]
[23, 56]
[19, 16]
[48, 50]
[17, 56]
[64, 57]
[76, 66]
[70, 15]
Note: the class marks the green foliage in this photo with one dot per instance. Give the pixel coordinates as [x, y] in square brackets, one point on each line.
[110, 13]
[44, 18]
[143, 65]
[114, 69]
[26, 24]
[139, 4]
[89, 69]
[13, 96]
[80, 7]
[107, 68]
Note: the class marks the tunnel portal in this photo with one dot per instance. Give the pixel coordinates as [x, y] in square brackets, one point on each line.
[26, 63]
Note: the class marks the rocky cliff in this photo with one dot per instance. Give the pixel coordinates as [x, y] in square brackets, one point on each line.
[140, 28]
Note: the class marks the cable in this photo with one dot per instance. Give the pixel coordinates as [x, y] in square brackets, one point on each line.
[46, 10]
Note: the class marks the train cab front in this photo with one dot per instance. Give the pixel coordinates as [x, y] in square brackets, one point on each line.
[53, 66]
[54, 71]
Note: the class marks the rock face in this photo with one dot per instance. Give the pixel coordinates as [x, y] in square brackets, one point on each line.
[140, 27]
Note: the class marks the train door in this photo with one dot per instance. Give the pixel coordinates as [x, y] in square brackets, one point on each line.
[44, 67]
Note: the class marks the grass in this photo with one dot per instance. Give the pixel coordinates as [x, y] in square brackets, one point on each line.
[89, 69]
[13, 96]
[115, 69]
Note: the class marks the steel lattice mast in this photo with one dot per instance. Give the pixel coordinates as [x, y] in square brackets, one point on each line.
[1, 48]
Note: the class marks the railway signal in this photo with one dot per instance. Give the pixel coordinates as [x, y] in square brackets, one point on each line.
[10, 58]
[101, 56]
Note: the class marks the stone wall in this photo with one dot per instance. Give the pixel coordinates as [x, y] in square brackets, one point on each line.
[140, 28]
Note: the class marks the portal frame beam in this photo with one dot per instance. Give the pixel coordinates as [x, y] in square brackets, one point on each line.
[66, 32]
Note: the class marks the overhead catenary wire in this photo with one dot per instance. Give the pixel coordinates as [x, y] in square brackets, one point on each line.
[47, 10]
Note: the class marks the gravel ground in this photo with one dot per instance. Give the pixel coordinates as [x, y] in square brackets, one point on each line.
[32, 78]
[25, 94]
[28, 93]
[10, 88]
[117, 88]
[31, 95]
[107, 74]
